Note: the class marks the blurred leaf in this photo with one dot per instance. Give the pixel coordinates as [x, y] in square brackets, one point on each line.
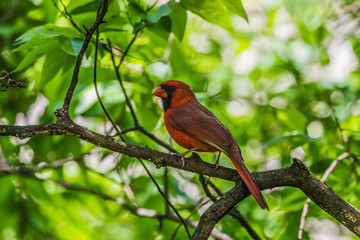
[88, 7]
[48, 30]
[177, 59]
[178, 21]
[267, 81]
[136, 12]
[37, 53]
[212, 11]
[292, 118]
[33, 42]
[356, 47]
[237, 7]
[163, 10]
[54, 62]
[162, 28]
[295, 140]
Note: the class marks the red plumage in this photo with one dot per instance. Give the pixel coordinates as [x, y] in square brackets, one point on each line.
[193, 126]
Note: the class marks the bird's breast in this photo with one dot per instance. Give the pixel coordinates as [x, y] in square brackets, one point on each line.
[185, 140]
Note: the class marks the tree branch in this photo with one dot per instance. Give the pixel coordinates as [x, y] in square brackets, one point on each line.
[6, 81]
[296, 176]
[233, 212]
[103, 6]
[142, 212]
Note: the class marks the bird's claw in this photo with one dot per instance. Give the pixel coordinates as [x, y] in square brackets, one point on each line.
[216, 165]
[182, 158]
[182, 155]
[217, 161]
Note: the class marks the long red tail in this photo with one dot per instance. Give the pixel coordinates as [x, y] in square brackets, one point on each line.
[237, 160]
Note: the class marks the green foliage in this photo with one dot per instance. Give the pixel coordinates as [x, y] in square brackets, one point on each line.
[283, 76]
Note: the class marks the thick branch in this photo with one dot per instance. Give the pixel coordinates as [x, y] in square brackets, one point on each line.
[69, 128]
[296, 176]
[235, 213]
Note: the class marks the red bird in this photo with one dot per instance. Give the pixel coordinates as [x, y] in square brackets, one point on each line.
[195, 128]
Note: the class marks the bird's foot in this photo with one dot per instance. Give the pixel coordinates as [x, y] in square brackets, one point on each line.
[216, 165]
[182, 155]
[217, 162]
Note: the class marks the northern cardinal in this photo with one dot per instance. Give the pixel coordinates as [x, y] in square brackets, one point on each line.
[195, 128]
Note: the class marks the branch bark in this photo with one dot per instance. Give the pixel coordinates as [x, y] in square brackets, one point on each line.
[297, 175]
[99, 20]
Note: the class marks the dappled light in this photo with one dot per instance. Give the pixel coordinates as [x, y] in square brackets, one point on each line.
[84, 151]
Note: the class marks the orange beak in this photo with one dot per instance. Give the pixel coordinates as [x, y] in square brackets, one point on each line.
[159, 92]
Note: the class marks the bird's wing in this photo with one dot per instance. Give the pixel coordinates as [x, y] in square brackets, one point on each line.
[198, 122]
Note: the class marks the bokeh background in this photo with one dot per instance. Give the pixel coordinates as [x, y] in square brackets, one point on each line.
[286, 83]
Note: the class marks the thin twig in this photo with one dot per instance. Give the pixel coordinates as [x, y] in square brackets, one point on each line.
[166, 188]
[158, 141]
[328, 171]
[297, 175]
[354, 157]
[128, 102]
[151, 136]
[308, 200]
[198, 206]
[99, 20]
[118, 76]
[6, 81]
[137, 124]
[96, 88]
[37, 169]
[152, 6]
[165, 197]
[142, 212]
[66, 14]
[128, 48]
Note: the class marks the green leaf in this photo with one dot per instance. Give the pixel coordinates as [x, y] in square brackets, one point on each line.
[178, 21]
[76, 46]
[292, 118]
[162, 28]
[295, 139]
[89, 7]
[164, 10]
[356, 47]
[237, 7]
[212, 11]
[115, 24]
[178, 59]
[136, 12]
[33, 42]
[37, 53]
[54, 62]
[138, 26]
[48, 30]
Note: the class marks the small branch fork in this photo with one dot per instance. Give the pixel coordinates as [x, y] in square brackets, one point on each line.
[328, 171]
[89, 32]
[297, 175]
[6, 82]
[233, 212]
[66, 14]
[136, 122]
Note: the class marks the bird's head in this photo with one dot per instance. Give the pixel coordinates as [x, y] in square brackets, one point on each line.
[174, 93]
